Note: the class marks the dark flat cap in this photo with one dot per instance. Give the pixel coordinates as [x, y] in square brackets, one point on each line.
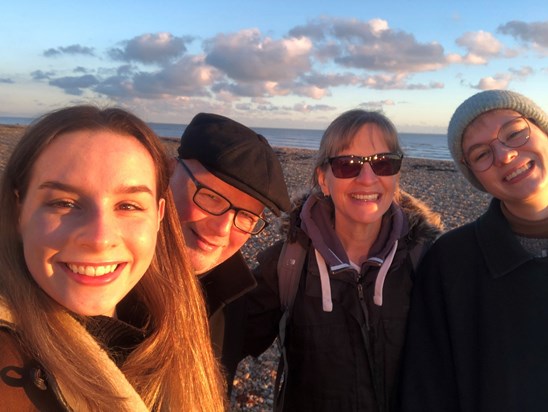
[237, 155]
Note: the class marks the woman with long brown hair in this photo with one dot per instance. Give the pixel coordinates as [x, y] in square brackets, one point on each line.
[98, 307]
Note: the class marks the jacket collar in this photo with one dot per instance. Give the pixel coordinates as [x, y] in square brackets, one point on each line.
[499, 245]
[70, 399]
[227, 282]
[317, 223]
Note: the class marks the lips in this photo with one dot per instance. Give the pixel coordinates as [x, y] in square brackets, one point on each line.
[203, 243]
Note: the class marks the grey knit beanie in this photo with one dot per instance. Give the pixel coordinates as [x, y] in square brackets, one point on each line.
[483, 102]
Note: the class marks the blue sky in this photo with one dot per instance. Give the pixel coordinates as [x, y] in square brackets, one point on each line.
[294, 64]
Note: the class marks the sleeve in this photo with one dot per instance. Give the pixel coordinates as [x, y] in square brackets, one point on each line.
[428, 380]
[263, 311]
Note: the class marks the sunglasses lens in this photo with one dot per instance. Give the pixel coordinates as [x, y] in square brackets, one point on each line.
[345, 167]
[386, 166]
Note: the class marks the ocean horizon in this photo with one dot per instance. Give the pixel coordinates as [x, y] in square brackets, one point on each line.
[419, 145]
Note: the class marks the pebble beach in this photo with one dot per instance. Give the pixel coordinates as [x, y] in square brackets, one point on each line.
[436, 182]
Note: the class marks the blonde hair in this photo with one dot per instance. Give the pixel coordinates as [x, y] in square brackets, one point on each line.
[174, 367]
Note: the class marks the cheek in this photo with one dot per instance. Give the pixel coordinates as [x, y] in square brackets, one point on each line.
[142, 235]
[183, 204]
[236, 241]
[391, 183]
[39, 246]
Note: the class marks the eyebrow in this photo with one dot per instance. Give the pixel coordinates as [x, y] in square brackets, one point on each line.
[123, 189]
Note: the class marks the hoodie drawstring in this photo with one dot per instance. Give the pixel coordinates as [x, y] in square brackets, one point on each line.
[381, 276]
[327, 303]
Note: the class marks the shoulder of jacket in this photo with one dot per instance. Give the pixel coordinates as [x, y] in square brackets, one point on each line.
[425, 225]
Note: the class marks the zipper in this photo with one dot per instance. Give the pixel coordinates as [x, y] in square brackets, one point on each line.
[361, 297]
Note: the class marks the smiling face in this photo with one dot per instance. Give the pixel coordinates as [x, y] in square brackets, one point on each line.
[210, 239]
[362, 200]
[89, 219]
[518, 176]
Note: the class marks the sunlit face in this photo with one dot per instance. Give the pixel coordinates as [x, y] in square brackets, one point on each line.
[362, 200]
[518, 176]
[210, 239]
[90, 218]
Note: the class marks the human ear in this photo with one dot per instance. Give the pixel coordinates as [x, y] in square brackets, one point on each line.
[320, 175]
[161, 211]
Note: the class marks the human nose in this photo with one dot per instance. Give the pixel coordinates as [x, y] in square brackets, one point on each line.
[99, 231]
[367, 174]
[502, 154]
[222, 224]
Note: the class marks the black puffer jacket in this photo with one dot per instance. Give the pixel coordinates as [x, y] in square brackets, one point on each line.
[346, 359]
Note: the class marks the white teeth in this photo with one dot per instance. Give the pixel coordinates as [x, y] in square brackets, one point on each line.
[365, 197]
[92, 270]
[518, 172]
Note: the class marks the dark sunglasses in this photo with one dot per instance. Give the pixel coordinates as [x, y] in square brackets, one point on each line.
[383, 164]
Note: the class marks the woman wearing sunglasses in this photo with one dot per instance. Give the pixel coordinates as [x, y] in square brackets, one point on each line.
[363, 237]
[477, 330]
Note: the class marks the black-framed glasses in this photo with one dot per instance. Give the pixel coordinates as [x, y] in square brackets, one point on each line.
[513, 134]
[382, 164]
[216, 204]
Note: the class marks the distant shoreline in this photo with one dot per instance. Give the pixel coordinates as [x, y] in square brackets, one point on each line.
[419, 145]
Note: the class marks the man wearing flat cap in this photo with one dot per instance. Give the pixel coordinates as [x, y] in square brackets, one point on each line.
[224, 177]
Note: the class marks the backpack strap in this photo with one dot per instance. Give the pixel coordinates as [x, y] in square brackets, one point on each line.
[290, 267]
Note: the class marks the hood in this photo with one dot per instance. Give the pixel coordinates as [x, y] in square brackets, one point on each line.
[407, 217]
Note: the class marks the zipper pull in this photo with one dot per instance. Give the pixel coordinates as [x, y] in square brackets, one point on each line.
[360, 291]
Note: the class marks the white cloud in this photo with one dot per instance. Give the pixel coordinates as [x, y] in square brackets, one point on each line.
[499, 81]
[248, 56]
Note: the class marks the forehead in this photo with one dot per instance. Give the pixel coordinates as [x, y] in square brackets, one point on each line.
[369, 139]
[95, 156]
[488, 124]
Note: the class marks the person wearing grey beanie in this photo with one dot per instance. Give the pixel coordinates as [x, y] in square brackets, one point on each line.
[481, 103]
[477, 338]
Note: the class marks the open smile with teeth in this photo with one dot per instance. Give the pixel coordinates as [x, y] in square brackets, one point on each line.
[92, 270]
[370, 197]
[519, 171]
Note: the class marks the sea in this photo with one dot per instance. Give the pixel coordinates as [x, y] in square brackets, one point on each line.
[419, 145]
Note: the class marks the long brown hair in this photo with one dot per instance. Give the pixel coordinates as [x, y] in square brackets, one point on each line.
[174, 367]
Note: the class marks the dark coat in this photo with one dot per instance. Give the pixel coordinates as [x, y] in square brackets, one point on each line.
[224, 289]
[478, 335]
[329, 353]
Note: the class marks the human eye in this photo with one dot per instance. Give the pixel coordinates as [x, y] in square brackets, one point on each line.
[210, 199]
[515, 133]
[62, 204]
[516, 137]
[479, 153]
[130, 206]
[248, 217]
[209, 196]
[246, 220]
